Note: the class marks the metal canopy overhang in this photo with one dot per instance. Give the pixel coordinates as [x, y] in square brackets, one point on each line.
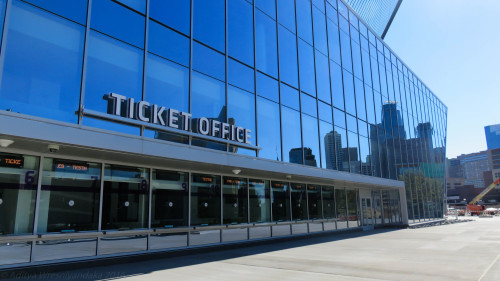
[32, 135]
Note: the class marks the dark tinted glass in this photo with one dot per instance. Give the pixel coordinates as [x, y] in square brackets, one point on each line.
[304, 20]
[205, 199]
[43, 64]
[323, 77]
[240, 75]
[310, 139]
[286, 14]
[266, 44]
[174, 13]
[314, 201]
[125, 197]
[292, 144]
[260, 201]
[269, 132]
[267, 87]
[209, 61]
[170, 201]
[306, 67]
[352, 205]
[74, 10]
[240, 30]
[328, 195]
[18, 185]
[280, 201]
[168, 43]
[69, 200]
[234, 200]
[167, 83]
[118, 21]
[299, 201]
[288, 56]
[341, 204]
[209, 23]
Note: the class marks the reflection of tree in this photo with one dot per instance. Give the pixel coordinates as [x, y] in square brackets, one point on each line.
[428, 192]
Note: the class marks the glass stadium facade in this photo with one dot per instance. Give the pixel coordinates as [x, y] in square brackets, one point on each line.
[130, 127]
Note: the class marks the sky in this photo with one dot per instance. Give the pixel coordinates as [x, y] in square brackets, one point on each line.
[453, 46]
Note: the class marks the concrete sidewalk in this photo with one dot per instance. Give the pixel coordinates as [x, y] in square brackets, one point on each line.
[463, 251]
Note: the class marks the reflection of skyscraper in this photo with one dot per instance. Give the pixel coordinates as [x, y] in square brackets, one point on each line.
[295, 155]
[333, 148]
[310, 159]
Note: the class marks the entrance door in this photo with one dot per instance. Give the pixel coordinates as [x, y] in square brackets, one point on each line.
[366, 211]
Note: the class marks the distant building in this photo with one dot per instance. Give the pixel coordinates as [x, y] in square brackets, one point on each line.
[470, 168]
[492, 133]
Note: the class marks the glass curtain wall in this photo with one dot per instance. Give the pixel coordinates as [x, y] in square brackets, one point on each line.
[236, 62]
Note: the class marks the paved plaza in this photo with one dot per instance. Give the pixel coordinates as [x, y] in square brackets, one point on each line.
[462, 251]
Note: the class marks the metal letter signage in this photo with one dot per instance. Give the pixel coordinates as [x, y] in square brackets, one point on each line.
[143, 111]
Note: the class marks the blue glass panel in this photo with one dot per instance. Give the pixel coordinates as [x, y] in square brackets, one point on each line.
[353, 150]
[112, 126]
[209, 61]
[360, 99]
[311, 141]
[308, 105]
[240, 75]
[267, 6]
[352, 123]
[356, 60]
[118, 21]
[375, 76]
[333, 42]
[168, 44]
[266, 44]
[367, 74]
[174, 13]
[292, 144]
[286, 14]
[306, 67]
[320, 40]
[350, 103]
[208, 98]
[112, 67]
[323, 78]
[167, 84]
[290, 97]
[288, 57]
[241, 112]
[327, 140]
[304, 20]
[268, 125]
[325, 112]
[339, 118]
[43, 64]
[362, 128]
[344, 25]
[240, 30]
[267, 87]
[370, 107]
[138, 5]
[331, 13]
[337, 87]
[345, 42]
[320, 4]
[341, 149]
[74, 10]
[209, 23]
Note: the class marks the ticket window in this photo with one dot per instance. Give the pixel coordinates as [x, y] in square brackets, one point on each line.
[170, 199]
[69, 198]
[125, 198]
[235, 200]
[205, 200]
[18, 185]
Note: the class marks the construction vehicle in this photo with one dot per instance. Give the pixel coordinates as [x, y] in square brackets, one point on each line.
[472, 207]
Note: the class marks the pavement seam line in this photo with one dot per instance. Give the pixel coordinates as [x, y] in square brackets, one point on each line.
[488, 269]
